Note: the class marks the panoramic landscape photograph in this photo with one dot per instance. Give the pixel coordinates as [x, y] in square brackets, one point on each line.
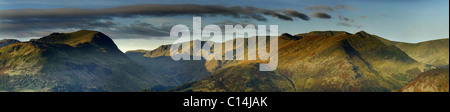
[224, 46]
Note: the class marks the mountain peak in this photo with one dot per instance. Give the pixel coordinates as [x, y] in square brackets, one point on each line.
[86, 31]
[5, 42]
[288, 36]
[362, 34]
[327, 33]
[81, 38]
[72, 39]
[138, 50]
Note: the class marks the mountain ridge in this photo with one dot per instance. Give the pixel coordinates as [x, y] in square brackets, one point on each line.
[359, 62]
[5, 42]
[432, 52]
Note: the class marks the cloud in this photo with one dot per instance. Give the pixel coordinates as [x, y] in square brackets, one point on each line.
[15, 21]
[230, 22]
[347, 22]
[142, 28]
[344, 7]
[345, 19]
[40, 28]
[297, 14]
[320, 8]
[279, 16]
[321, 15]
[141, 10]
[343, 24]
[329, 8]
[348, 25]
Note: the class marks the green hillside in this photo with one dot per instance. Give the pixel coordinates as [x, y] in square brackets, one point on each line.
[433, 52]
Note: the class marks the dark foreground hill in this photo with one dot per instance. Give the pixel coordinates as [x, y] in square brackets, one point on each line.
[79, 61]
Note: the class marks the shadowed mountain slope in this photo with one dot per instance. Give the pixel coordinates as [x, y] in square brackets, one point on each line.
[79, 61]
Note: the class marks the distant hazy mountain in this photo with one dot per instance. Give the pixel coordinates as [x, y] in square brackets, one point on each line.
[173, 73]
[79, 61]
[436, 80]
[434, 52]
[5, 42]
[318, 61]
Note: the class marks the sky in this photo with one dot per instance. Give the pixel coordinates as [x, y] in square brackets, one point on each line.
[145, 24]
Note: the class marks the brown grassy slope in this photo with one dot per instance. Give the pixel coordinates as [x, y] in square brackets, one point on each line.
[72, 39]
[244, 77]
[20, 58]
[436, 80]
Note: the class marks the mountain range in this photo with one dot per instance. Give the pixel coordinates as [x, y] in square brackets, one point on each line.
[321, 61]
[434, 52]
[318, 61]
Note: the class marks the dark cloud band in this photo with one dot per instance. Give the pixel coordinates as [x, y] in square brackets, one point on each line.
[142, 10]
[320, 8]
[28, 20]
[320, 14]
[329, 8]
[296, 14]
